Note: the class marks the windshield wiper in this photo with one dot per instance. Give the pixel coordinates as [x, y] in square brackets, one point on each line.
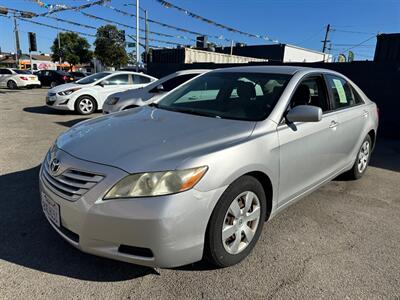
[153, 105]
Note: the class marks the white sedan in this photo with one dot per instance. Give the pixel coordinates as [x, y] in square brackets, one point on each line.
[88, 94]
[14, 78]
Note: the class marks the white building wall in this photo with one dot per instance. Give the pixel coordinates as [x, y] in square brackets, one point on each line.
[297, 54]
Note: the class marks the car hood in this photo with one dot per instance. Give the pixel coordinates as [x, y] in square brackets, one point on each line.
[65, 86]
[150, 139]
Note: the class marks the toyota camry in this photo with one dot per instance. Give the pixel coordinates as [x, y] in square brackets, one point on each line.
[198, 173]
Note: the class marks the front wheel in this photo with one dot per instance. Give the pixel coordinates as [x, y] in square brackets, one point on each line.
[85, 105]
[236, 222]
[53, 84]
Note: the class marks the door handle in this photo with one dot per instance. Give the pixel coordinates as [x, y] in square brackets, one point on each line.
[333, 124]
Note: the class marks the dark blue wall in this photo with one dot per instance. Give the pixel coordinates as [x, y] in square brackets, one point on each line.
[379, 80]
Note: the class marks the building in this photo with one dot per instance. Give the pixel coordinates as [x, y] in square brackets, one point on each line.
[387, 48]
[189, 56]
[278, 53]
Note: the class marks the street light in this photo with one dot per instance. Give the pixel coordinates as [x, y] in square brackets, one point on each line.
[137, 30]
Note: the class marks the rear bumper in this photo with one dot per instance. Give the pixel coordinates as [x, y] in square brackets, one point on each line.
[28, 83]
[171, 228]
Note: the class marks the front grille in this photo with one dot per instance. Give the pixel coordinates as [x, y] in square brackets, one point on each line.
[70, 184]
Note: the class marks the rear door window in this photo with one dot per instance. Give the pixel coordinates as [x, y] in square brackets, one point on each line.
[172, 83]
[342, 93]
[121, 79]
[137, 79]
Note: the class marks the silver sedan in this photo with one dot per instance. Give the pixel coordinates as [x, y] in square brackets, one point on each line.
[196, 174]
[150, 93]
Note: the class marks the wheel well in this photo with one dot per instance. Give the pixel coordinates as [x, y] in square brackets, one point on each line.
[267, 186]
[372, 135]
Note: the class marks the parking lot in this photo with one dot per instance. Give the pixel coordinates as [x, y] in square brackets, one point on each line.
[342, 241]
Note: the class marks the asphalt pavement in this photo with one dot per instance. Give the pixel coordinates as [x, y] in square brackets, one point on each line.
[342, 241]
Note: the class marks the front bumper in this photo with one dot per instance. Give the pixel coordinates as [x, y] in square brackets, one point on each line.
[60, 102]
[108, 109]
[171, 228]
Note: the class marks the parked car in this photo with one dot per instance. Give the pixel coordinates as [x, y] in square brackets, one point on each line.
[52, 78]
[148, 94]
[15, 78]
[77, 75]
[88, 94]
[197, 173]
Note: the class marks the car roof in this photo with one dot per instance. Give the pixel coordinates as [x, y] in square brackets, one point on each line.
[191, 71]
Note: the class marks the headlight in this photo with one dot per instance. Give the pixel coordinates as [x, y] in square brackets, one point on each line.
[112, 100]
[68, 92]
[156, 183]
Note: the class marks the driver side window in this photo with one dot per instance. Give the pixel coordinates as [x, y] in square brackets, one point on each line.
[311, 91]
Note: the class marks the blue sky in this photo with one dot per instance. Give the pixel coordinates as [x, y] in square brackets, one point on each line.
[299, 22]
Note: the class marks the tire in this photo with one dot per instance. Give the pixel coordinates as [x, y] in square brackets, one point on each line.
[85, 105]
[224, 250]
[53, 84]
[12, 85]
[362, 160]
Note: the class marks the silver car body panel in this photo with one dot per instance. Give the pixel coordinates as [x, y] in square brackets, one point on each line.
[297, 160]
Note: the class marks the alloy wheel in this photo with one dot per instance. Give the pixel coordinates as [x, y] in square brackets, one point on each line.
[86, 105]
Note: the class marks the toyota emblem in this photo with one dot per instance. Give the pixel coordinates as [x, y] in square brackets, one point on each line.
[54, 166]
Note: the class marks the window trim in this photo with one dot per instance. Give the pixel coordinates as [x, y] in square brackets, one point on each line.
[307, 76]
[331, 96]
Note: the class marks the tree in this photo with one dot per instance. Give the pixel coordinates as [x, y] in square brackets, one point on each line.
[110, 46]
[74, 49]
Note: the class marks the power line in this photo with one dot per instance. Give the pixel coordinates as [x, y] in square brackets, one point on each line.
[71, 22]
[359, 44]
[350, 31]
[132, 27]
[54, 27]
[125, 13]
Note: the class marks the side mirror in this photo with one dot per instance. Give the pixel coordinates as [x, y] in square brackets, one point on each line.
[304, 113]
[160, 88]
[101, 84]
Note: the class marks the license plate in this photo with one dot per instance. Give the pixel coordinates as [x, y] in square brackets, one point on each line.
[51, 210]
[32, 78]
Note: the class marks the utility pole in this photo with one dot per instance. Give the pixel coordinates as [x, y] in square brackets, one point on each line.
[146, 34]
[325, 41]
[231, 47]
[59, 46]
[17, 45]
[137, 36]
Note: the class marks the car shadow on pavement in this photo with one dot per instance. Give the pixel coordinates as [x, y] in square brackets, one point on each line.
[44, 110]
[71, 123]
[28, 240]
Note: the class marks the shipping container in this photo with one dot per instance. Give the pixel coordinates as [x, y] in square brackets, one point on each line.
[189, 56]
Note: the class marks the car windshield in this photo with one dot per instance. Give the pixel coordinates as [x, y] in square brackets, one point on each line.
[92, 78]
[228, 95]
[20, 71]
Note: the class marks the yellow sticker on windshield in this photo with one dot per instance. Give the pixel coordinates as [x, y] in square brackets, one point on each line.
[340, 91]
